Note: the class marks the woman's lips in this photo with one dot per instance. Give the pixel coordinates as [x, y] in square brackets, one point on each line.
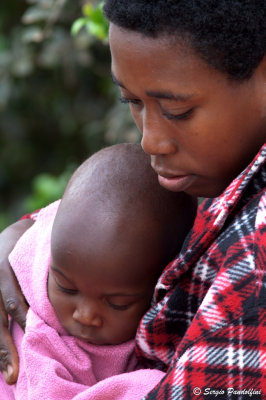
[177, 183]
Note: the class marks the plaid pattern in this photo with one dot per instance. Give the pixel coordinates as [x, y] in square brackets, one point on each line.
[207, 326]
[32, 215]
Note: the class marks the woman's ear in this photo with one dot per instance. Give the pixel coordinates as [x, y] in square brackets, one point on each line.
[264, 85]
[262, 65]
[261, 74]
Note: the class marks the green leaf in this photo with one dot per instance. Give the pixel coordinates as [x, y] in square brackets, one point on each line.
[96, 16]
[46, 189]
[87, 9]
[94, 21]
[78, 25]
[96, 29]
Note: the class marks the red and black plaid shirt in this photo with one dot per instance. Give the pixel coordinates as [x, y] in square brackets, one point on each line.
[207, 327]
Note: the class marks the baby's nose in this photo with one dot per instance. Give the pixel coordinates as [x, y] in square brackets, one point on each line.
[88, 315]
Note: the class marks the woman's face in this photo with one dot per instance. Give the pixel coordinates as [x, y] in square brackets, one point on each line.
[200, 129]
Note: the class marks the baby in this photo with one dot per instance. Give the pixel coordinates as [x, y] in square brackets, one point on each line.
[87, 268]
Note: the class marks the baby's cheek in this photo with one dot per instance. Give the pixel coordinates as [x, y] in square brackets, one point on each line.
[61, 303]
[126, 326]
[52, 292]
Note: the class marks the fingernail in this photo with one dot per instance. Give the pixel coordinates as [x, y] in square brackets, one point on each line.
[5, 375]
[10, 370]
[8, 373]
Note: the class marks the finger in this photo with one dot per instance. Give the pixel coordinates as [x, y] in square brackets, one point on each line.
[17, 308]
[9, 361]
[13, 301]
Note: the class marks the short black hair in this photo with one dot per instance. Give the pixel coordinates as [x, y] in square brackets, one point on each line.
[230, 35]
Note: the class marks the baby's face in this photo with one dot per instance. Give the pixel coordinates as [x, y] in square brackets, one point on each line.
[100, 294]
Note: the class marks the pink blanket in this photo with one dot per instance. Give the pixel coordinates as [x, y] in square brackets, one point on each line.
[53, 365]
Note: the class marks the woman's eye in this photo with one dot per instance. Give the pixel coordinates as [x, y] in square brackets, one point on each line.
[183, 116]
[135, 102]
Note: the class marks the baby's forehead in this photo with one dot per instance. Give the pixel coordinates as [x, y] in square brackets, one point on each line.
[101, 223]
[102, 234]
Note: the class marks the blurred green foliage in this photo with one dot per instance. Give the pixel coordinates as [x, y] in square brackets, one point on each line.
[57, 101]
[93, 20]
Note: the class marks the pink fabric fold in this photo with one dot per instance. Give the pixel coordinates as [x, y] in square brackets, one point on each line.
[53, 365]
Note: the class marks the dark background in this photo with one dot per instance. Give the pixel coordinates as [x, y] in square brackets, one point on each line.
[57, 102]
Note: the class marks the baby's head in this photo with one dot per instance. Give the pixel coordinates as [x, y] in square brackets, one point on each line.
[115, 231]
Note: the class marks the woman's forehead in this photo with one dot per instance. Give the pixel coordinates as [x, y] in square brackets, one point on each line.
[157, 66]
[138, 42]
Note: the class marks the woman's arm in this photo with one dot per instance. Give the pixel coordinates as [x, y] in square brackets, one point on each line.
[12, 301]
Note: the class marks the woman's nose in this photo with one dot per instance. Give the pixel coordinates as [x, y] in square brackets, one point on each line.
[155, 137]
[88, 314]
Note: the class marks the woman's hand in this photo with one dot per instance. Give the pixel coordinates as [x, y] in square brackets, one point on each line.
[12, 301]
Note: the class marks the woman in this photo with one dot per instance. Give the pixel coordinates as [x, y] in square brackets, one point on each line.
[194, 75]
